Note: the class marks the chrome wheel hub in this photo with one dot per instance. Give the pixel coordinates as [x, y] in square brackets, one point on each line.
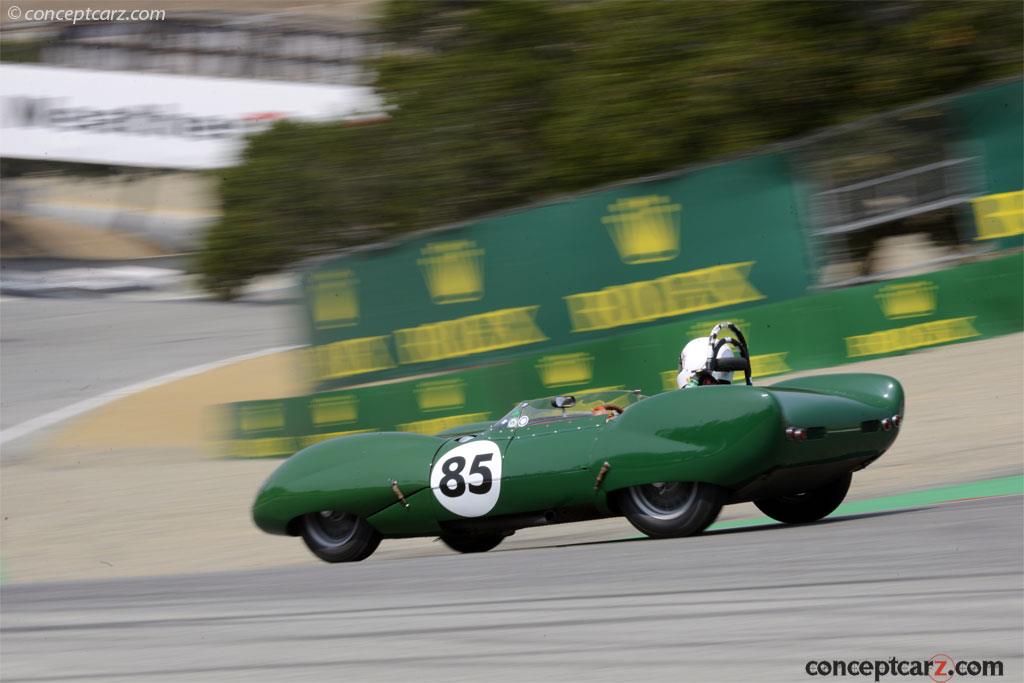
[664, 500]
[330, 528]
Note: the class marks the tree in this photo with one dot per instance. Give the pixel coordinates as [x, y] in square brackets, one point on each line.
[497, 104]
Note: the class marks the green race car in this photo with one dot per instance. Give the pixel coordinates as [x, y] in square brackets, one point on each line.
[668, 463]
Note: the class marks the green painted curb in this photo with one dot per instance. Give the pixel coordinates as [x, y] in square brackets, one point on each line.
[988, 488]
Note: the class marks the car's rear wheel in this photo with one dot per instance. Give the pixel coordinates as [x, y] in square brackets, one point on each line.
[672, 509]
[338, 536]
[472, 543]
[807, 506]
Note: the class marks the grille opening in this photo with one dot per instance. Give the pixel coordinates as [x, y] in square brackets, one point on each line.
[871, 426]
[815, 433]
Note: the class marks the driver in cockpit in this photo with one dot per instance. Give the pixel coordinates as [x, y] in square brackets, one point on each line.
[693, 364]
[608, 410]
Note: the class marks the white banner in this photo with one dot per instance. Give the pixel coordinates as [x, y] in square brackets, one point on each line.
[154, 120]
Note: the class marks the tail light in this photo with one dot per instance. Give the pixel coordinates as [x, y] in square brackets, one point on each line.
[796, 434]
[891, 422]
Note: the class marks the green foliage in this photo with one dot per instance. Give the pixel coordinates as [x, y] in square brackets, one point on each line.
[498, 104]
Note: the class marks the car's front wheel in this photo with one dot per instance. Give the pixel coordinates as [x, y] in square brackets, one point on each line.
[672, 509]
[472, 543]
[338, 536]
[807, 506]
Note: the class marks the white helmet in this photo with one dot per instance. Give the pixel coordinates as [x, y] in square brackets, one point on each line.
[694, 358]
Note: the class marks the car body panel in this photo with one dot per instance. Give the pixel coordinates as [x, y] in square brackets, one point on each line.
[417, 517]
[546, 465]
[352, 473]
[714, 434]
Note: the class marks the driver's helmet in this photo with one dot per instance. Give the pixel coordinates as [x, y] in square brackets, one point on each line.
[694, 359]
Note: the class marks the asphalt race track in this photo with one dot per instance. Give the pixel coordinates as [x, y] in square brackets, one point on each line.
[747, 604]
[58, 351]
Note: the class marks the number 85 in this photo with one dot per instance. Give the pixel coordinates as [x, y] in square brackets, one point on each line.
[453, 484]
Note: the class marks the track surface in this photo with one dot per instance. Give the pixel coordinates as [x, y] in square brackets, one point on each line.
[752, 604]
[59, 351]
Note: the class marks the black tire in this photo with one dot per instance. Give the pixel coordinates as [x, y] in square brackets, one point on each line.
[472, 543]
[807, 506]
[671, 509]
[339, 537]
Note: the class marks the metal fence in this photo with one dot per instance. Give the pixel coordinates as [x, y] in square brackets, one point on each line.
[895, 196]
[890, 195]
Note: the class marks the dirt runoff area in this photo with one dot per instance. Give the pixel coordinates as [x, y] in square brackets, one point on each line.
[85, 505]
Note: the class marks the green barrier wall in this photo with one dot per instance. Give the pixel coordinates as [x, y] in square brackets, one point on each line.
[960, 304]
[576, 270]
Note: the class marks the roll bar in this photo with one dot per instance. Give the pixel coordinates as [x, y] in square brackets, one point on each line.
[733, 364]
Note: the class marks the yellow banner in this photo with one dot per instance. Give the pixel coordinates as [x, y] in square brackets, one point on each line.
[310, 439]
[439, 424]
[352, 357]
[278, 446]
[999, 215]
[473, 334]
[767, 364]
[260, 448]
[664, 297]
[910, 337]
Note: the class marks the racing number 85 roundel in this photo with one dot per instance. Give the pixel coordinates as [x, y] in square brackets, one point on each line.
[467, 479]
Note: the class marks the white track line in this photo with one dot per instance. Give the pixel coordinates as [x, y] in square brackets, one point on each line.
[75, 409]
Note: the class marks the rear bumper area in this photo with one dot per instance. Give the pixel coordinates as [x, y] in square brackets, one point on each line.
[782, 481]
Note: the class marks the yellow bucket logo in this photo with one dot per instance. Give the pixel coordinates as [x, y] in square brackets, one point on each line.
[261, 417]
[440, 394]
[566, 369]
[644, 229]
[453, 271]
[332, 410]
[907, 299]
[335, 303]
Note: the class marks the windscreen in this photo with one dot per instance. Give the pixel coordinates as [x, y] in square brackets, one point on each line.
[540, 409]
